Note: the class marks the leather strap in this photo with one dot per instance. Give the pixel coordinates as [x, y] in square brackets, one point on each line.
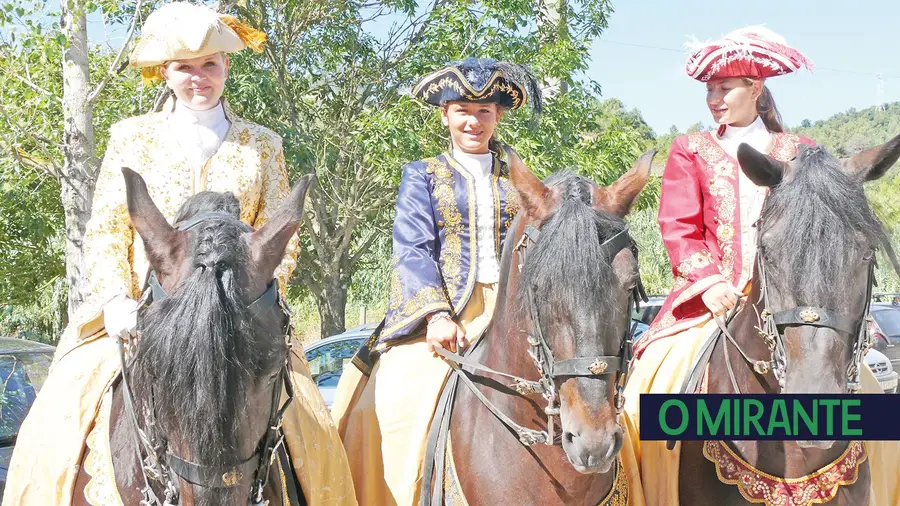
[198, 218]
[294, 492]
[588, 366]
[213, 476]
[816, 317]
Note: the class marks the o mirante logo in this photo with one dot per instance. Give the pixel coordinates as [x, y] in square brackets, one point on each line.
[762, 417]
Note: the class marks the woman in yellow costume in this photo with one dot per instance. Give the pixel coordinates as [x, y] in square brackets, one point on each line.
[196, 143]
[707, 214]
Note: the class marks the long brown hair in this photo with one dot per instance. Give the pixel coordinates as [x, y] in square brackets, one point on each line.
[765, 107]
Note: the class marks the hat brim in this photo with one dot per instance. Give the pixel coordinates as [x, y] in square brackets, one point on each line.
[450, 85]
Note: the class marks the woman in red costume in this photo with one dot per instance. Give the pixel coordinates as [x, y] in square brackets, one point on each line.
[707, 212]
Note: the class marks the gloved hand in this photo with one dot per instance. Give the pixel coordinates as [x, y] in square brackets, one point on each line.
[120, 316]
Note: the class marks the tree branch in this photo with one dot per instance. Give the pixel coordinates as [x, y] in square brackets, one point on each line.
[37, 88]
[115, 67]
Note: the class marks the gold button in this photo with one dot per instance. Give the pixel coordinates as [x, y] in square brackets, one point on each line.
[441, 223]
[429, 170]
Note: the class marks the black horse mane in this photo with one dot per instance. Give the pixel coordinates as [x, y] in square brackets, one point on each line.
[824, 221]
[199, 349]
[566, 268]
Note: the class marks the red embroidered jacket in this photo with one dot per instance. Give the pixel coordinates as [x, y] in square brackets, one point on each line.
[700, 221]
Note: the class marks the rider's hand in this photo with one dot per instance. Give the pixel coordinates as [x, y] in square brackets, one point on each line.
[443, 332]
[720, 297]
[120, 316]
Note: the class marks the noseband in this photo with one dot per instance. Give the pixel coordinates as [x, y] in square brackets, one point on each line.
[772, 325]
[549, 368]
[267, 307]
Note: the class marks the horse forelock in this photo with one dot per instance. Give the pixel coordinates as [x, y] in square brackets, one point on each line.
[200, 351]
[567, 268]
[815, 227]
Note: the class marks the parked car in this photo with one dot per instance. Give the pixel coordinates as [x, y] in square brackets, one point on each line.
[328, 357]
[23, 370]
[649, 309]
[885, 327]
[883, 370]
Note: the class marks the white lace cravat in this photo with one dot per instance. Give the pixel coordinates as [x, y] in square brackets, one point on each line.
[199, 135]
[480, 166]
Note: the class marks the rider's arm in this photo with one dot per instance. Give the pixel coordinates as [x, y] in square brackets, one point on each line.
[681, 222]
[416, 286]
[108, 235]
[276, 189]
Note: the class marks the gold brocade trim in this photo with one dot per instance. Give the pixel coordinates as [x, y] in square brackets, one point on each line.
[785, 147]
[462, 86]
[696, 261]
[758, 487]
[512, 202]
[451, 248]
[722, 187]
[454, 495]
[495, 190]
[697, 288]
[427, 299]
[101, 487]
[473, 251]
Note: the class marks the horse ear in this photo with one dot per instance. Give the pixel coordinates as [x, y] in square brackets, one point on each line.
[268, 243]
[762, 169]
[618, 197]
[533, 193]
[872, 163]
[161, 240]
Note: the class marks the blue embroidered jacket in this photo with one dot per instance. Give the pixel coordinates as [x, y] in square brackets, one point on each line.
[434, 250]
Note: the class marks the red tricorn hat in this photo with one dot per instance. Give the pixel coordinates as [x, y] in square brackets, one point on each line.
[755, 52]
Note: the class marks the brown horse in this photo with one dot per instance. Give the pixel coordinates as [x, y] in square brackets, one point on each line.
[195, 420]
[810, 297]
[562, 325]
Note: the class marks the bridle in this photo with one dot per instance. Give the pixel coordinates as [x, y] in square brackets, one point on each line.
[540, 351]
[772, 325]
[268, 307]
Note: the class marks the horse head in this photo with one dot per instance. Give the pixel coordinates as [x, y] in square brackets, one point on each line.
[212, 353]
[579, 278]
[817, 239]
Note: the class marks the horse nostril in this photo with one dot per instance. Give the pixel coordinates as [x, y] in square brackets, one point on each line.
[568, 437]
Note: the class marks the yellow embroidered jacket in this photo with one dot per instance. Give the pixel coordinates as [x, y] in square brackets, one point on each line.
[249, 163]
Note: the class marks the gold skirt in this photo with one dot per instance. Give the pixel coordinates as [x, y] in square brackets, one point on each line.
[384, 419]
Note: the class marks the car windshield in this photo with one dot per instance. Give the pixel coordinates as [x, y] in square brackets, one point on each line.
[888, 321]
[22, 377]
[327, 361]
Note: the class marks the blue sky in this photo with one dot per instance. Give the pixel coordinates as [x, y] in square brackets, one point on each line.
[839, 37]
[849, 42]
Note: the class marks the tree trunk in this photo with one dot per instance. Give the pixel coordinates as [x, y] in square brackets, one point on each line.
[79, 165]
[332, 305]
[552, 26]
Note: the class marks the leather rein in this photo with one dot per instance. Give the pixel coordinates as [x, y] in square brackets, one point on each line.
[549, 368]
[771, 329]
[171, 467]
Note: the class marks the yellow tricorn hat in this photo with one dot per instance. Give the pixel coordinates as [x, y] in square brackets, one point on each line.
[181, 31]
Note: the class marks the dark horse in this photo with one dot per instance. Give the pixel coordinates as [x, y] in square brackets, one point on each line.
[562, 325]
[803, 328]
[210, 370]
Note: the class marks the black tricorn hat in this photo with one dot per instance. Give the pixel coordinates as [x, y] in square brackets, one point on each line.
[481, 80]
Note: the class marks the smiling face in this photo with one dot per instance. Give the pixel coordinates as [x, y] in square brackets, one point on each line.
[471, 124]
[198, 82]
[732, 101]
